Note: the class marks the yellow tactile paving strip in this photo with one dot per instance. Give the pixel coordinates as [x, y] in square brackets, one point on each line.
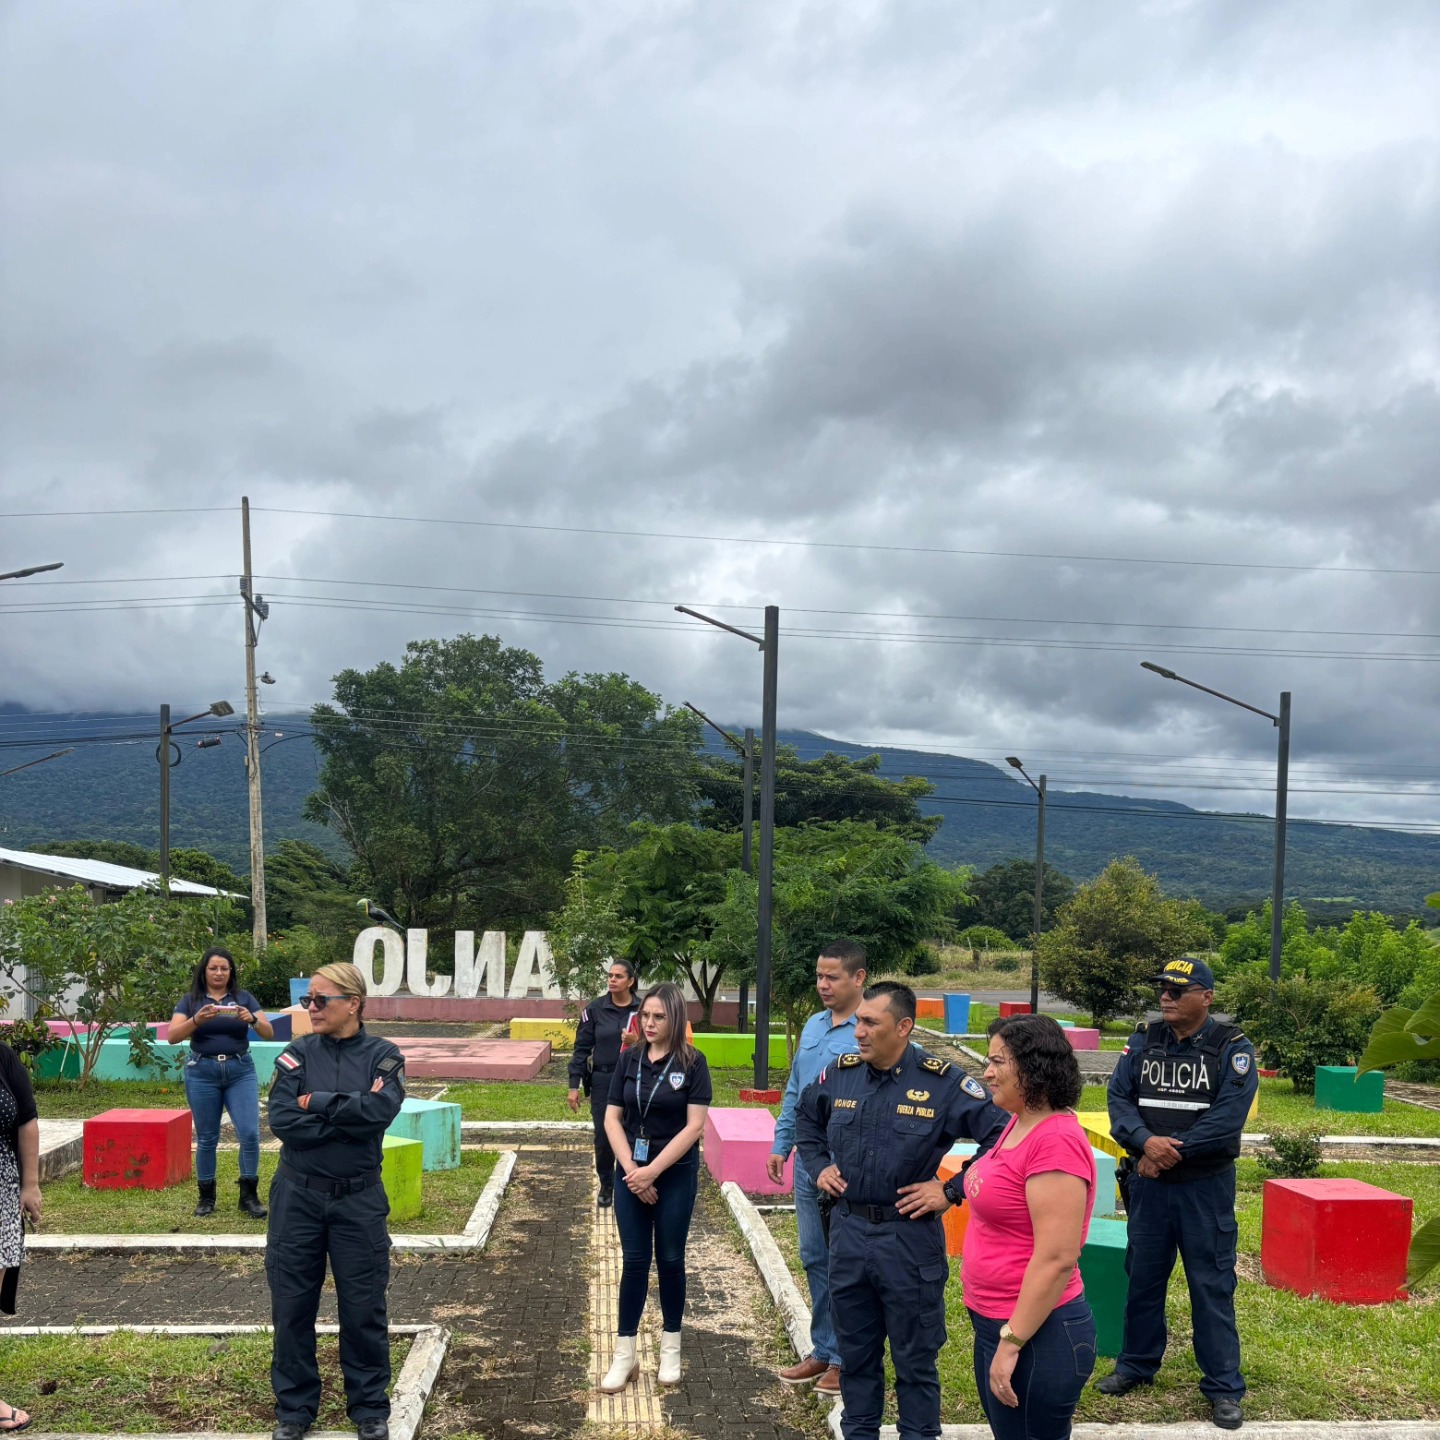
[636, 1409]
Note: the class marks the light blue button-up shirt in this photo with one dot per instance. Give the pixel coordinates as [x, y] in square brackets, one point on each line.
[820, 1042]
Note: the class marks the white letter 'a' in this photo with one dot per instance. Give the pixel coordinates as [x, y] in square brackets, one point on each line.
[363, 957]
[534, 966]
[417, 948]
[490, 964]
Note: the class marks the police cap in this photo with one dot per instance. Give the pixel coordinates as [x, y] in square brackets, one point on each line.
[1187, 972]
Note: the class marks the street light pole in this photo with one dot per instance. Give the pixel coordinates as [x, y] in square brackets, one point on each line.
[769, 646]
[1282, 790]
[31, 570]
[162, 754]
[746, 748]
[1040, 791]
[54, 755]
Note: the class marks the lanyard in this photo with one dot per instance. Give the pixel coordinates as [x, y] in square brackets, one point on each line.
[645, 1108]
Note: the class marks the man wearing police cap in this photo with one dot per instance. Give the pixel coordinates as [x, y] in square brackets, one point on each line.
[871, 1131]
[1179, 1099]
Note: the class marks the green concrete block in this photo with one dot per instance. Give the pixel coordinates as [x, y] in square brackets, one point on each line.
[401, 1165]
[436, 1125]
[113, 1062]
[1336, 1088]
[1102, 1268]
[737, 1052]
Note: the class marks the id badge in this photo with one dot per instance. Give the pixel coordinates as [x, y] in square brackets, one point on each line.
[640, 1149]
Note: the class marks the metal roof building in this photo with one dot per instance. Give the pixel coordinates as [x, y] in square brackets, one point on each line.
[24, 872]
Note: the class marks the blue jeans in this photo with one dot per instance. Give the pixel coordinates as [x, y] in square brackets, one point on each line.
[661, 1228]
[213, 1086]
[815, 1257]
[1052, 1371]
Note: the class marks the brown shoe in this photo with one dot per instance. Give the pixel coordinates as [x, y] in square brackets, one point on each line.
[807, 1370]
[829, 1382]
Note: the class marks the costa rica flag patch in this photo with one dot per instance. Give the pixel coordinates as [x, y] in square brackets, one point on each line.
[289, 1061]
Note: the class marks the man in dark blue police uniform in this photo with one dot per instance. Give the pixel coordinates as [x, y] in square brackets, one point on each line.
[1179, 1099]
[334, 1095]
[871, 1131]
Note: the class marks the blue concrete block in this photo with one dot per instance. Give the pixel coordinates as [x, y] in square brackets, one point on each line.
[436, 1124]
[299, 989]
[957, 1014]
[1066, 1024]
[283, 1026]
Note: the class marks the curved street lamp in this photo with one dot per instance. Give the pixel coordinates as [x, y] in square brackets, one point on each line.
[1014, 763]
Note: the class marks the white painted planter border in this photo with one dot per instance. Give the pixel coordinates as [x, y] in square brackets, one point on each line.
[772, 1267]
[407, 1400]
[474, 1236]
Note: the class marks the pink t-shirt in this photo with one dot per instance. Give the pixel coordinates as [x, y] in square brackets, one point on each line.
[999, 1238]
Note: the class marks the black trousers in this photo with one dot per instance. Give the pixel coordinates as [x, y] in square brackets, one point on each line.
[306, 1227]
[604, 1155]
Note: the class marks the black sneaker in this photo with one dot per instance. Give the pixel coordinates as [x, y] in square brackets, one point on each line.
[288, 1430]
[377, 1428]
[1227, 1413]
[607, 1197]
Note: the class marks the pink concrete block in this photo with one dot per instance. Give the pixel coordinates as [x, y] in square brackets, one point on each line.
[137, 1149]
[470, 1059]
[737, 1143]
[1082, 1039]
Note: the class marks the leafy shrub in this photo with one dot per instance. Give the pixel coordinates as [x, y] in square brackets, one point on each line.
[984, 937]
[29, 1038]
[1301, 1023]
[1294, 1152]
[1005, 964]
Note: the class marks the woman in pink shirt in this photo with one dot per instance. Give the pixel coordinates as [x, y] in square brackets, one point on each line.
[1030, 1200]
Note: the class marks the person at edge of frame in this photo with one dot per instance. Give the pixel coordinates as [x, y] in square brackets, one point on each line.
[1178, 1101]
[871, 1131]
[592, 1063]
[334, 1095]
[829, 1034]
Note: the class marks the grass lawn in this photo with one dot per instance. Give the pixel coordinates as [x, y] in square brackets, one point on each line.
[65, 1100]
[106, 1384]
[71, 1209]
[533, 1100]
[1303, 1359]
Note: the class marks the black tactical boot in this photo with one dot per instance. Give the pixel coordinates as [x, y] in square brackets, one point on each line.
[249, 1200]
[207, 1198]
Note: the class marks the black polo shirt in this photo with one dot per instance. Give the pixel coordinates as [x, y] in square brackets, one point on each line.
[663, 1091]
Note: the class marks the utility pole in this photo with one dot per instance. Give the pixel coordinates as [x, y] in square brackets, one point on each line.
[163, 756]
[767, 846]
[1282, 796]
[1039, 901]
[747, 824]
[254, 608]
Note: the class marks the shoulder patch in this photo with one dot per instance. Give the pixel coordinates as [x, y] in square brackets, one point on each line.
[1240, 1062]
[585, 1015]
[971, 1086]
[934, 1066]
[390, 1064]
[846, 1061]
[288, 1060]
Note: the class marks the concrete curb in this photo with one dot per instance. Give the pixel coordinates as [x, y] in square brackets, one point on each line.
[483, 1126]
[773, 1269]
[408, 1396]
[473, 1237]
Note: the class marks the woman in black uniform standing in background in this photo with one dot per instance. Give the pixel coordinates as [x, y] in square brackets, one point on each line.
[597, 1050]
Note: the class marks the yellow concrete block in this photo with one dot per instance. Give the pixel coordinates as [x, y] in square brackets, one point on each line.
[560, 1033]
[1096, 1124]
[1254, 1107]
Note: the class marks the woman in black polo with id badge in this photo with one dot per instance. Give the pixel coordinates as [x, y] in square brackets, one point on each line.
[658, 1098]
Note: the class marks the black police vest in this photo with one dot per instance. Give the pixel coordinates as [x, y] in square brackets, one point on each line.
[1176, 1090]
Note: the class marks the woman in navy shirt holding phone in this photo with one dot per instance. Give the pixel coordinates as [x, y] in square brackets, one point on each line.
[216, 1016]
[658, 1099]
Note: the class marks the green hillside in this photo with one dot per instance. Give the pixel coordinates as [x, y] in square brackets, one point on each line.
[109, 789]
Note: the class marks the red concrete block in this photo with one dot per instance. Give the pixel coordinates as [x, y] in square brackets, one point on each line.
[1343, 1240]
[1267, 1074]
[137, 1149]
[1013, 1007]
[761, 1097]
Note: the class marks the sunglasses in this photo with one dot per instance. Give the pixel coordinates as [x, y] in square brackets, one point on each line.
[319, 1002]
[1174, 992]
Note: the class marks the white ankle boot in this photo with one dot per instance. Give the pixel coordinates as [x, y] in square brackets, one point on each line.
[624, 1367]
[669, 1372]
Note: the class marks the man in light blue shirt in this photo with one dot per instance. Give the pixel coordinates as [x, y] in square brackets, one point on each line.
[840, 983]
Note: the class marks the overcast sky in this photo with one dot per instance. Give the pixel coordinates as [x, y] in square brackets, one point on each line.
[910, 282]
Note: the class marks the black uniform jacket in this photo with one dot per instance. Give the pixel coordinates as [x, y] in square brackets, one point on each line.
[338, 1136]
[597, 1039]
[888, 1128]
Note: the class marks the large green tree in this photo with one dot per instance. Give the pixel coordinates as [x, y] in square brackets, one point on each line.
[464, 782]
[1004, 896]
[809, 792]
[1113, 938]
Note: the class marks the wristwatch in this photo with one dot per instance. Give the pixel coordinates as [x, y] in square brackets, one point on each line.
[1006, 1333]
[954, 1189]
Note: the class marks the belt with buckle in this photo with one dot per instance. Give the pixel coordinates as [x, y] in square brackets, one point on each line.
[875, 1214]
[334, 1188]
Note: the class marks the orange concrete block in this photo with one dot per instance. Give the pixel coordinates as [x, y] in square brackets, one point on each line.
[957, 1217]
[930, 1009]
